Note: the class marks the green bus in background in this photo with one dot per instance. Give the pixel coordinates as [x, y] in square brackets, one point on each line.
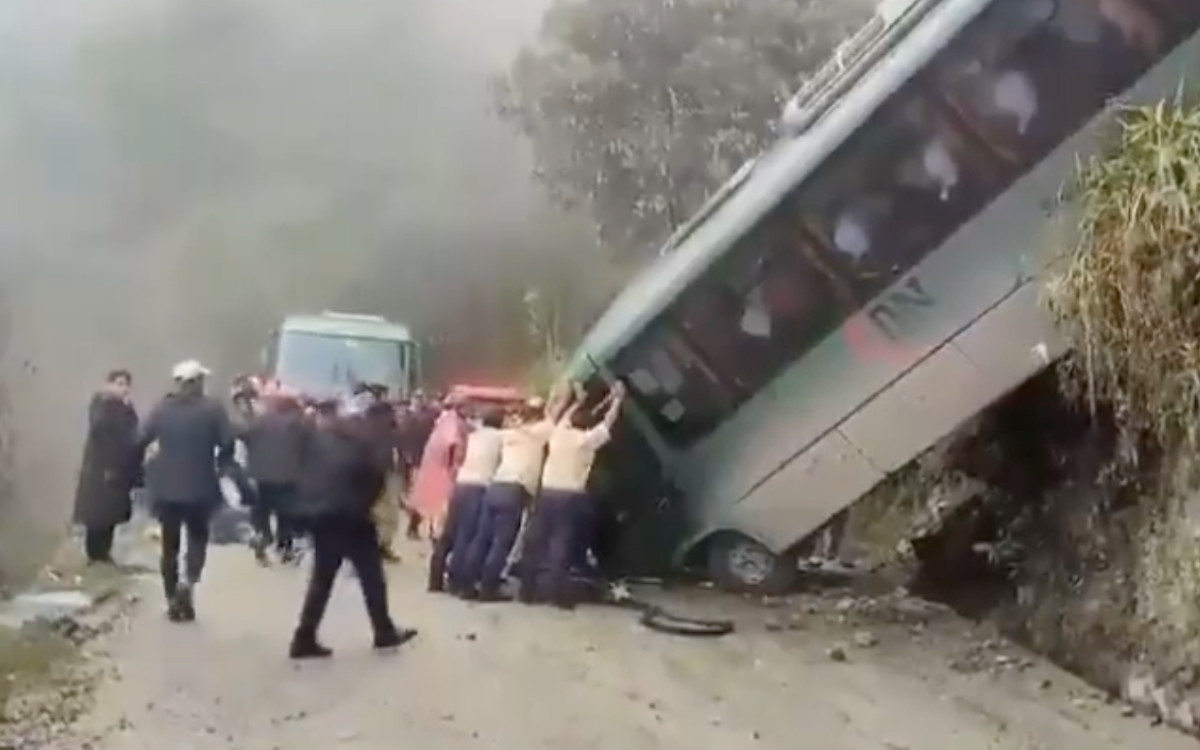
[327, 354]
[870, 282]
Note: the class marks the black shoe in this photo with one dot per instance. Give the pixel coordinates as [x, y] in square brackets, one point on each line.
[492, 595]
[528, 595]
[259, 546]
[308, 648]
[185, 604]
[394, 638]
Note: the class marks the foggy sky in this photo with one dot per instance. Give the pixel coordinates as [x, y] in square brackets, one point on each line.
[176, 174]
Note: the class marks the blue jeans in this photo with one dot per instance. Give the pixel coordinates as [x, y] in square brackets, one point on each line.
[559, 521]
[462, 518]
[499, 522]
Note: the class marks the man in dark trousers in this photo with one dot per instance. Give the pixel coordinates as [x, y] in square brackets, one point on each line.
[381, 423]
[274, 439]
[195, 438]
[343, 471]
[110, 469]
[562, 517]
[414, 431]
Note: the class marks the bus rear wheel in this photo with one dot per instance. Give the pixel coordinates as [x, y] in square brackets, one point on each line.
[739, 564]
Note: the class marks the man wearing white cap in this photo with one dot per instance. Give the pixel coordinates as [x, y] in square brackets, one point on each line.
[195, 438]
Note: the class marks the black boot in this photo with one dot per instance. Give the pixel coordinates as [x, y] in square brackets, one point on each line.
[492, 595]
[305, 646]
[392, 637]
[259, 545]
[184, 603]
[174, 614]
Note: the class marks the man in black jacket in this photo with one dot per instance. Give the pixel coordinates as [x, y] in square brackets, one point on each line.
[274, 439]
[343, 471]
[194, 438]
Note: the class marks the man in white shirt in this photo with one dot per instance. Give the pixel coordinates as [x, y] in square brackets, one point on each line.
[563, 510]
[513, 486]
[479, 463]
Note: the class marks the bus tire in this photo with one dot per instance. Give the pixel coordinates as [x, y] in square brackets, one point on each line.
[739, 564]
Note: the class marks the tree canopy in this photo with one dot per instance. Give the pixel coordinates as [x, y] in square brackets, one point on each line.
[638, 109]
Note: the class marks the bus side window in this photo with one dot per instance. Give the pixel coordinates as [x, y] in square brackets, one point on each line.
[672, 385]
[760, 308]
[1028, 73]
[896, 190]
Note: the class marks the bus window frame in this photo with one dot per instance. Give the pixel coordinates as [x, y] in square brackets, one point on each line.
[657, 336]
[778, 238]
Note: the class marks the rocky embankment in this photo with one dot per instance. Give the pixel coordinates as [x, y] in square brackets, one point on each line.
[1018, 521]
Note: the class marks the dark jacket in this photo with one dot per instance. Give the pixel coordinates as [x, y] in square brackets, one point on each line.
[274, 441]
[342, 471]
[383, 431]
[194, 437]
[110, 467]
[414, 430]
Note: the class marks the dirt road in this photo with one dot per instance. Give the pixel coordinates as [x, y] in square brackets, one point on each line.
[506, 676]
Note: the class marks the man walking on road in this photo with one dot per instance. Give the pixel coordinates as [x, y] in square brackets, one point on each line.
[195, 437]
[415, 430]
[343, 473]
[381, 424]
[274, 440]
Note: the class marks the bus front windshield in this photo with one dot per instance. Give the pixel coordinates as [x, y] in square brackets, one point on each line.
[323, 364]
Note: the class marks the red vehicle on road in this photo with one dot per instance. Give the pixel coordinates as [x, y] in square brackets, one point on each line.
[480, 395]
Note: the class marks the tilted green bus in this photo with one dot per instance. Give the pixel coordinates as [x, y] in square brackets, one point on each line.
[871, 281]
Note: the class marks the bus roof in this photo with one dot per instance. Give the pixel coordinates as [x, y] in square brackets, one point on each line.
[771, 177]
[339, 324]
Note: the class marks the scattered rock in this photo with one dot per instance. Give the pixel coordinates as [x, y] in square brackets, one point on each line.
[837, 652]
[774, 626]
[1139, 690]
[865, 639]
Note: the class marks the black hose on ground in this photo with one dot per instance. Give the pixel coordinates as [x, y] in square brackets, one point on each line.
[652, 616]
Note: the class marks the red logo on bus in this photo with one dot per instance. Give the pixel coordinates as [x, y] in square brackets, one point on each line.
[869, 343]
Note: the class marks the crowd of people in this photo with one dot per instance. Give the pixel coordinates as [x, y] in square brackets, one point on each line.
[482, 483]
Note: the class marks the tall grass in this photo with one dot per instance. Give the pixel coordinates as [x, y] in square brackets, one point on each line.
[1128, 297]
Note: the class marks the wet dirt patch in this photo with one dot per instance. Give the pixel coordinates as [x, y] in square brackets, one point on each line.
[47, 671]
